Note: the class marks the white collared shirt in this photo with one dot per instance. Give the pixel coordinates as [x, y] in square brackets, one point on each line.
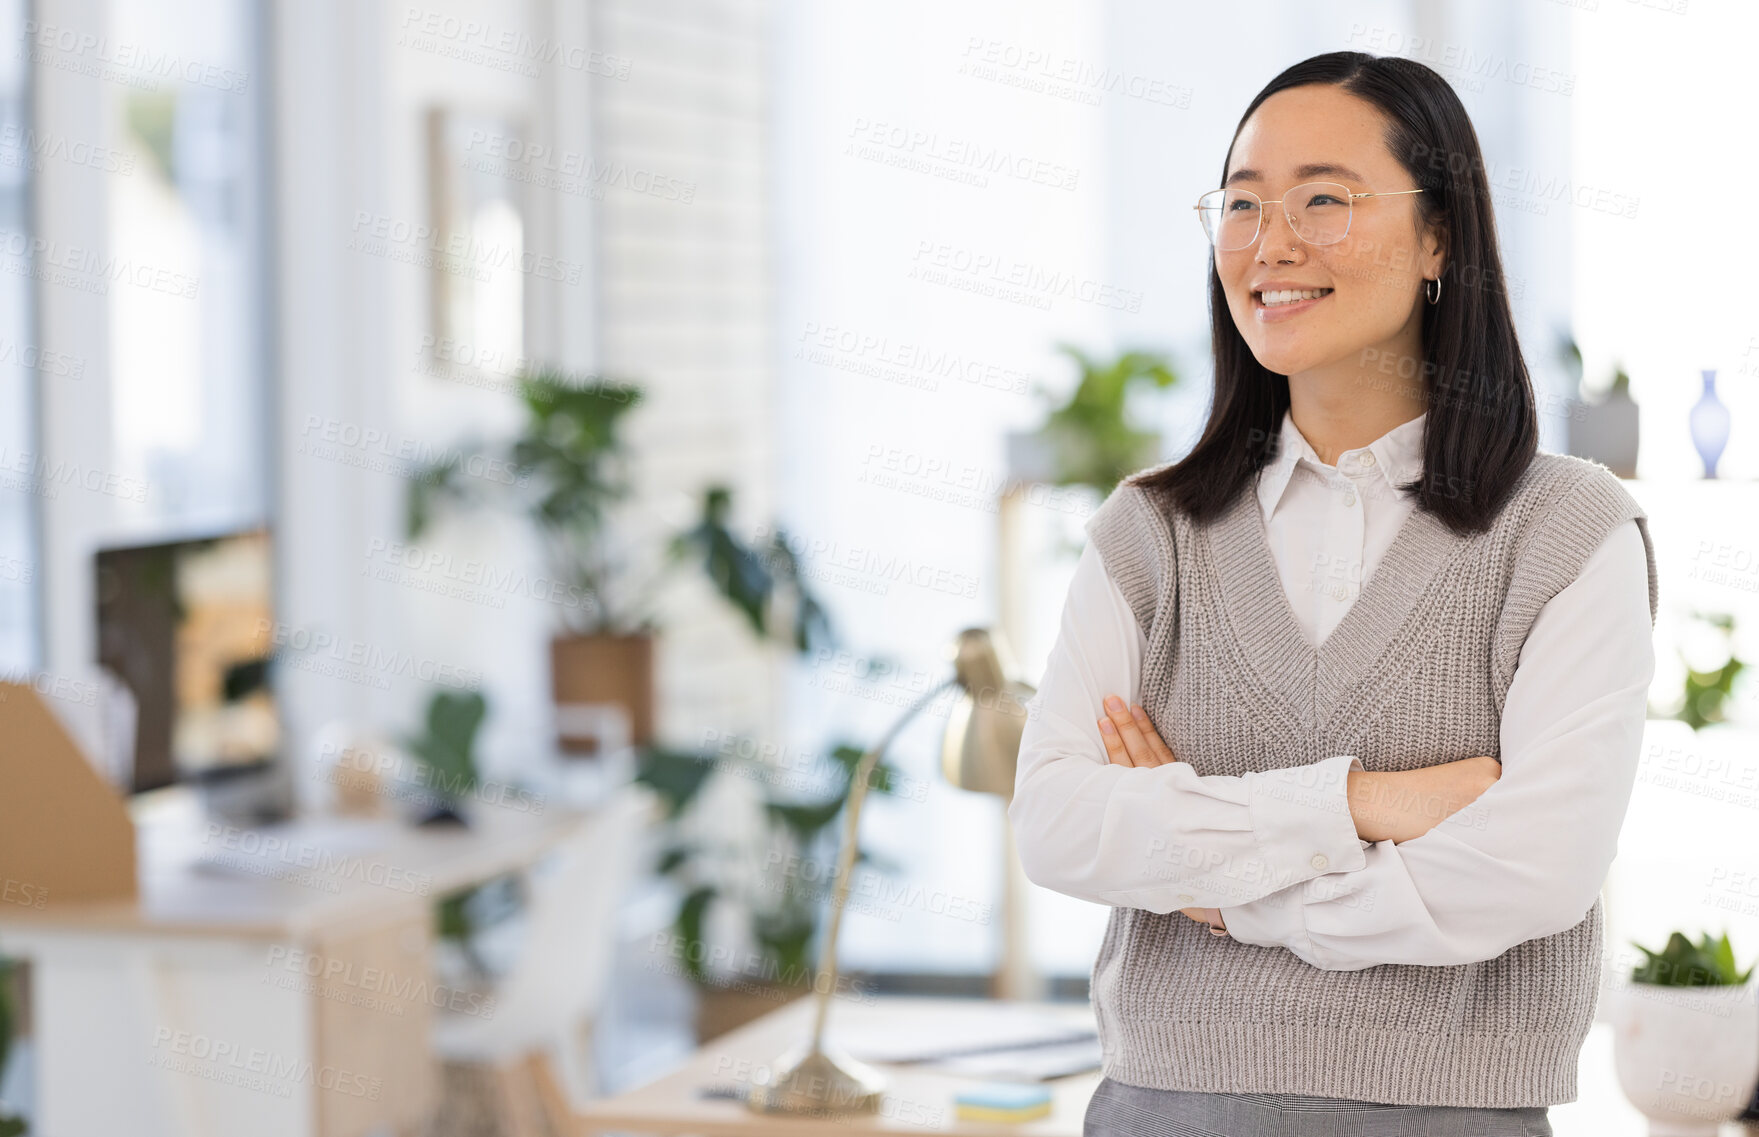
[1573, 719]
[1330, 525]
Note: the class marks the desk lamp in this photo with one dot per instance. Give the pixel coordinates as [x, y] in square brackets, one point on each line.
[978, 752]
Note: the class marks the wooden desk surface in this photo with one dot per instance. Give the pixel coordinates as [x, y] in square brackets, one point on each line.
[288, 881]
[917, 1100]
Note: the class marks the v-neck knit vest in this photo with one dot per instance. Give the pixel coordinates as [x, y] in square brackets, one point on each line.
[1415, 675]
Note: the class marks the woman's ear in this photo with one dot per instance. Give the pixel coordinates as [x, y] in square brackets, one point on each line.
[1435, 252]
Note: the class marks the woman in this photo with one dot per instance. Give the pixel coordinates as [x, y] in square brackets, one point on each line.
[1346, 705]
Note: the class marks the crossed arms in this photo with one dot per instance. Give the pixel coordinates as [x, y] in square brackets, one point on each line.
[1345, 867]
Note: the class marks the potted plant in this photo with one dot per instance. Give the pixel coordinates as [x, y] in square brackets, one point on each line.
[1603, 429]
[566, 467]
[1087, 440]
[1708, 693]
[783, 907]
[1686, 1036]
[10, 1125]
[446, 749]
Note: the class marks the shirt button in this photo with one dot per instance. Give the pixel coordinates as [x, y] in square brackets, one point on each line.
[1186, 896]
[1319, 862]
[1338, 592]
[1350, 498]
[1368, 459]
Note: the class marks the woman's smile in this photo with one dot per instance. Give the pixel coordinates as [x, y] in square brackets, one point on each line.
[1274, 305]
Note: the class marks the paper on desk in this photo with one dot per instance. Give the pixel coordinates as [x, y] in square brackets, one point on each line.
[955, 1030]
[1034, 1064]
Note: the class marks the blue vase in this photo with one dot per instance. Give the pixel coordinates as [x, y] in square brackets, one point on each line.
[1709, 420]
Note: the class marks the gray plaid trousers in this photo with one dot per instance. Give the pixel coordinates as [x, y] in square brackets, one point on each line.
[1119, 1110]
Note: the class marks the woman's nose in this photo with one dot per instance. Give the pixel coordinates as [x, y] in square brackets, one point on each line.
[1276, 236]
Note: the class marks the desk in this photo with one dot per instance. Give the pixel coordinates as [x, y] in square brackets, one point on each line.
[921, 1101]
[917, 1100]
[285, 992]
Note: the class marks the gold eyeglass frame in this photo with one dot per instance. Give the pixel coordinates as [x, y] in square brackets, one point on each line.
[1279, 201]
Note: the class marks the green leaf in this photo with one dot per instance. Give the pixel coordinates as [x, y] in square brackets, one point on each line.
[1090, 440]
[1681, 963]
[676, 775]
[753, 580]
[884, 778]
[6, 1012]
[788, 940]
[741, 576]
[448, 742]
[805, 821]
[812, 621]
[689, 924]
[1723, 954]
[1707, 695]
[453, 916]
[564, 470]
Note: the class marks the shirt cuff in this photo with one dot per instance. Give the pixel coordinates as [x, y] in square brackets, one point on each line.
[1301, 816]
[1276, 920]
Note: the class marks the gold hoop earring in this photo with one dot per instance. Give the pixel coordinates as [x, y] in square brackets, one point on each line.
[1435, 297]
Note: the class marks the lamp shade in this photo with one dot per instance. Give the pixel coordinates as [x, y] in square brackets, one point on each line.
[981, 747]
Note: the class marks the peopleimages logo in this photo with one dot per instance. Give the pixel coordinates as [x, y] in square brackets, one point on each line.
[413, 565]
[51, 686]
[22, 894]
[395, 775]
[36, 474]
[344, 980]
[93, 54]
[317, 858]
[467, 250]
[356, 661]
[253, 1067]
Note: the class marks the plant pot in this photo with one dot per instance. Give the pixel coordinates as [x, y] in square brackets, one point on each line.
[1054, 454]
[720, 1009]
[1031, 457]
[604, 669]
[1687, 1057]
[1606, 432]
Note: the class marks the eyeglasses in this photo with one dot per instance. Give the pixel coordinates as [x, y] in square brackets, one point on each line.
[1318, 212]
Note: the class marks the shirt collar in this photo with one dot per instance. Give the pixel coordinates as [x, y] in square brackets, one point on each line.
[1398, 457]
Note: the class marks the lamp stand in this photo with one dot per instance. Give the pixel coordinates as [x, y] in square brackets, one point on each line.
[815, 1079]
[1016, 978]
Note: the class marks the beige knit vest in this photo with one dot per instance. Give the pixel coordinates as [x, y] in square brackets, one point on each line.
[1414, 675]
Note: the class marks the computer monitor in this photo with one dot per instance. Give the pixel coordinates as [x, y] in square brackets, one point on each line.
[180, 624]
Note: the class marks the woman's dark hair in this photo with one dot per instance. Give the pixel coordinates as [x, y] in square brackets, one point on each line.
[1482, 430]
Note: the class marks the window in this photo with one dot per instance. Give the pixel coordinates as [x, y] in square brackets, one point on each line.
[21, 364]
[187, 298]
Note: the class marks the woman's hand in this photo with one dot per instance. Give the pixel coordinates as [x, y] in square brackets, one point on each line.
[1403, 805]
[1205, 916]
[1131, 740]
